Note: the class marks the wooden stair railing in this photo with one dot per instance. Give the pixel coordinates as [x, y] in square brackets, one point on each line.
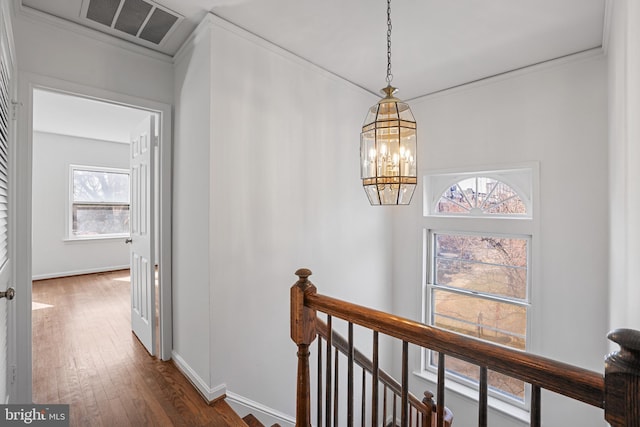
[618, 392]
[424, 410]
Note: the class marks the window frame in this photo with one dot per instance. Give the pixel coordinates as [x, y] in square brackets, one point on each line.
[516, 226]
[70, 236]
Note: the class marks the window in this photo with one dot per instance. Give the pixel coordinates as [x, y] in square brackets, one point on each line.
[99, 202]
[478, 243]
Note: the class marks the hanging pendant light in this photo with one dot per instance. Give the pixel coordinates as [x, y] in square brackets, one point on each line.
[388, 145]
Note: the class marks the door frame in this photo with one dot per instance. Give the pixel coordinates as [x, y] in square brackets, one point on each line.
[23, 220]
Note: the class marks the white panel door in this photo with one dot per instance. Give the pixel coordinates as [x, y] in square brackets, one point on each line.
[143, 295]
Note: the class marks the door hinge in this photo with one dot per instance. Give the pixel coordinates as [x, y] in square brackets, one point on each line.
[13, 374]
[15, 106]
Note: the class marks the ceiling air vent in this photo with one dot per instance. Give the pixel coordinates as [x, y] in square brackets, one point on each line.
[141, 19]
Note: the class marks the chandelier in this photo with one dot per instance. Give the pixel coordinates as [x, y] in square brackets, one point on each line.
[388, 145]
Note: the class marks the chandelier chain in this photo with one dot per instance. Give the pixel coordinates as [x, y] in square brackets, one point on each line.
[389, 75]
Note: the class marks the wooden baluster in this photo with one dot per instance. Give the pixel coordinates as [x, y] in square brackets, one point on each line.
[350, 378]
[303, 332]
[536, 401]
[374, 381]
[384, 405]
[363, 398]
[319, 391]
[440, 406]
[335, 392]
[405, 384]
[622, 380]
[395, 404]
[483, 398]
[427, 419]
[328, 372]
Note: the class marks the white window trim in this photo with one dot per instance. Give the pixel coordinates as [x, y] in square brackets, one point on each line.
[524, 178]
[70, 237]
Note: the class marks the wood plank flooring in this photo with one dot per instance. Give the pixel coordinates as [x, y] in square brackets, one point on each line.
[85, 355]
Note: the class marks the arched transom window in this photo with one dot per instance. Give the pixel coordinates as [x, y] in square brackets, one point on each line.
[481, 195]
[505, 193]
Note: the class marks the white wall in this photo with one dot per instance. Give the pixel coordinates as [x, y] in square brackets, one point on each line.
[556, 115]
[53, 254]
[623, 54]
[284, 192]
[191, 217]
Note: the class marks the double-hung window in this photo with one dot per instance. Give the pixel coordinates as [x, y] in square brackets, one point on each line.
[99, 202]
[478, 256]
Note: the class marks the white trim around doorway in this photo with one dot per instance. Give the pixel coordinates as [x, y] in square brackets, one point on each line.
[23, 204]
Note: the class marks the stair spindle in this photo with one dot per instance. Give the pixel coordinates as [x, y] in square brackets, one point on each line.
[374, 381]
[405, 384]
[350, 378]
[483, 398]
[440, 406]
[384, 405]
[395, 406]
[319, 391]
[536, 403]
[363, 398]
[328, 371]
[335, 392]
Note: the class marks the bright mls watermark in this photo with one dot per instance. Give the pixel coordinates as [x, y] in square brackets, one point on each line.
[34, 415]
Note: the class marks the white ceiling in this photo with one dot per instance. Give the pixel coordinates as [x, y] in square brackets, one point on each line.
[62, 114]
[436, 44]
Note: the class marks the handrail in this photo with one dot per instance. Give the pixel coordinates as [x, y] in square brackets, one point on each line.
[339, 342]
[617, 391]
[577, 383]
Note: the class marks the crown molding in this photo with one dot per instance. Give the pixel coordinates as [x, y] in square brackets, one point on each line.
[38, 17]
[528, 69]
[212, 20]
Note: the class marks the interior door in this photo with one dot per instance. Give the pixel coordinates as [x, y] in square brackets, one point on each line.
[7, 323]
[143, 295]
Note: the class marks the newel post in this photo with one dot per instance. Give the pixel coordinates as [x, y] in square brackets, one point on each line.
[622, 380]
[303, 332]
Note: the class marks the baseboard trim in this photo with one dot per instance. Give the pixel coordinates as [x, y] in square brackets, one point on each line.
[209, 394]
[266, 415]
[78, 272]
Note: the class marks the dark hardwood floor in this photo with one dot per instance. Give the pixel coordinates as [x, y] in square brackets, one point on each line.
[85, 355]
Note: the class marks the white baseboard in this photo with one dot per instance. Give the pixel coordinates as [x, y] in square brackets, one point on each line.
[78, 272]
[267, 416]
[208, 393]
[240, 404]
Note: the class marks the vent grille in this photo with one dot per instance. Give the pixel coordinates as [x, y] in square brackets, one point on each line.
[141, 19]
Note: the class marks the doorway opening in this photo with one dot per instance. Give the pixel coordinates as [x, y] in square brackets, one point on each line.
[82, 207]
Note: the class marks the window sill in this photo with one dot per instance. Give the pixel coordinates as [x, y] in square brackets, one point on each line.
[95, 238]
[506, 408]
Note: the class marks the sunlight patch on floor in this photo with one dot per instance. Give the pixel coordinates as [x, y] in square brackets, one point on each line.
[39, 305]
